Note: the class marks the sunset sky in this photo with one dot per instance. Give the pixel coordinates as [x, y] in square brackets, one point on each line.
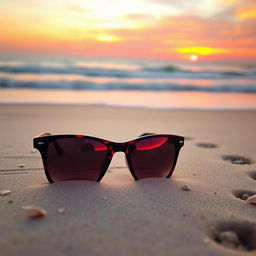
[168, 29]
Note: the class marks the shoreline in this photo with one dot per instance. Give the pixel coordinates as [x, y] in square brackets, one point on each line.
[132, 99]
[64, 104]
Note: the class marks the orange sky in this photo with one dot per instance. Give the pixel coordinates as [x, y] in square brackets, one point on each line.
[168, 29]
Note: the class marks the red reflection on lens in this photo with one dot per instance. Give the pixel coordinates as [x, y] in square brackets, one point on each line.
[145, 144]
[153, 157]
[97, 146]
[81, 159]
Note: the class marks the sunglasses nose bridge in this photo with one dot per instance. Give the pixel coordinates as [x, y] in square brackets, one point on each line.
[119, 147]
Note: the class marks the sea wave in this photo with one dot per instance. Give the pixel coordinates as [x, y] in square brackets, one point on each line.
[143, 71]
[64, 70]
[96, 74]
[156, 86]
[167, 68]
[202, 71]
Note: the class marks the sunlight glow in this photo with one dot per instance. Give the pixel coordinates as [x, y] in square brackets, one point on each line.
[201, 50]
[247, 14]
[107, 38]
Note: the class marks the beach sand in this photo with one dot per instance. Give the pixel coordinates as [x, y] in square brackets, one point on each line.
[120, 216]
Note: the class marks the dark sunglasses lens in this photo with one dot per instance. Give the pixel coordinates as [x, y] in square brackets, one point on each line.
[76, 159]
[153, 157]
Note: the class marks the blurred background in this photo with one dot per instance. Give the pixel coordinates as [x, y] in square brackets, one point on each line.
[150, 53]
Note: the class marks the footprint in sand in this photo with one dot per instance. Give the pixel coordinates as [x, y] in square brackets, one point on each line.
[235, 159]
[206, 145]
[243, 194]
[252, 174]
[239, 236]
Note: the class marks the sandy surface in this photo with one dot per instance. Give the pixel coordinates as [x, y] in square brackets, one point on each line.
[120, 216]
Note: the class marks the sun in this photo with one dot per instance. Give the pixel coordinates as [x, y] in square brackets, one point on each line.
[193, 57]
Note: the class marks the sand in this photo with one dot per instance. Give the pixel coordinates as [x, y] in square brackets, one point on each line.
[120, 216]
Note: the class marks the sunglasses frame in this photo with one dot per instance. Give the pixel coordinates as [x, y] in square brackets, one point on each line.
[42, 141]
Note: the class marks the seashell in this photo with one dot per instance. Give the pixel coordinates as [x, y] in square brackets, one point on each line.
[21, 165]
[229, 238]
[105, 197]
[186, 188]
[245, 197]
[5, 192]
[34, 212]
[251, 200]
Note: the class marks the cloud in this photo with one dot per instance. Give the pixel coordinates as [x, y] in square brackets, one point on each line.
[227, 32]
[173, 35]
[247, 12]
[199, 8]
[225, 9]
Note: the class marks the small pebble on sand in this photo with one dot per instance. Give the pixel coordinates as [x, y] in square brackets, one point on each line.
[61, 210]
[245, 197]
[5, 192]
[105, 197]
[21, 165]
[229, 239]
[251, 200]
[10, 201]
[186, 188]
[34, 212]
[206, 240]
[202, 217]
[33, 151]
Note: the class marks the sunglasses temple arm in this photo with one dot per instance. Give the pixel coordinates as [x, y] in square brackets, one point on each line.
[146, 133]
[55, 143]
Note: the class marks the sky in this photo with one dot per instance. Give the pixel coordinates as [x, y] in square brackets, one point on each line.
[205, 30]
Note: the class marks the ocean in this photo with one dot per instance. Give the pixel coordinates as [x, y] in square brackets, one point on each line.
[130, 79]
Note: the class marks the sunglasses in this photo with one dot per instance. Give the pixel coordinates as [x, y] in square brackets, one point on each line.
[81, 157]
